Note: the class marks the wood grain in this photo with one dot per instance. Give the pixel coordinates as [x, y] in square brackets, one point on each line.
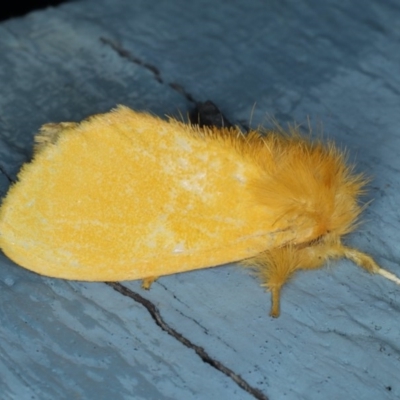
[336, 63]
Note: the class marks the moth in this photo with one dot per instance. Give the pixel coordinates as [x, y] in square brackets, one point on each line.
[126, 195]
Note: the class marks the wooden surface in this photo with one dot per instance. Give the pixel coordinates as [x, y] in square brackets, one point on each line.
[207, 334]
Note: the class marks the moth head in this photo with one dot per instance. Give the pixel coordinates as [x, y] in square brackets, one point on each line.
[333, 204]
[312, 191]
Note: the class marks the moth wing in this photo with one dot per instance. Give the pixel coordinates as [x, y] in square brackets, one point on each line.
[125, 195]
[50, 133]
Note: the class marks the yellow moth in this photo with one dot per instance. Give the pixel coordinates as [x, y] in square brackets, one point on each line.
[126, 195]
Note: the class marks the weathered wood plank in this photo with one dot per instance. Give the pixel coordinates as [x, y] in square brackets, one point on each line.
[338, 336]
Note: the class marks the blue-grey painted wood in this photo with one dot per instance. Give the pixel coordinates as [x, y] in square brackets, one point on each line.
[336, 63]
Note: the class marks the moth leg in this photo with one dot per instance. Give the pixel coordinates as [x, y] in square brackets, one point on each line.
[147, 282]
[333, 248]
[276, 302]
[367, 262]
[275, 267]
[49, 134]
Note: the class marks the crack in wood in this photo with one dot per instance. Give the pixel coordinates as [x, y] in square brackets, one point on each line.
[152, 68]
[204, 114]
[5, 173]
[155, 314]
